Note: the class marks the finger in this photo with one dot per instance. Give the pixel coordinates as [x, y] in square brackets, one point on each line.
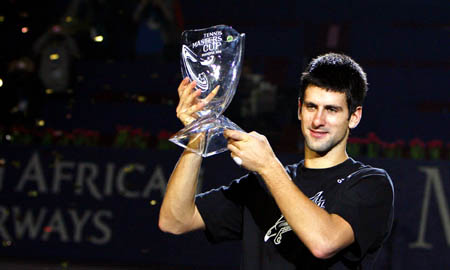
[188, 89]
[211, 95]
[183, 85]
[234, 150]
[195, 108]
[235, 135]
[192, 96]
[186, 119]
[231, 141]
[238, 161]
[202, 103]
[188, 97]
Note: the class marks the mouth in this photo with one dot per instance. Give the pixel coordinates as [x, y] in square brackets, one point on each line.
[318, 133]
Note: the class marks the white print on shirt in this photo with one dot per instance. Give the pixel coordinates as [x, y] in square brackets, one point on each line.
[281, 226]
[318, 199]
[277, 230]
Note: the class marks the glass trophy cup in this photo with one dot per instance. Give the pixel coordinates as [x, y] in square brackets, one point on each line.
[211, 57]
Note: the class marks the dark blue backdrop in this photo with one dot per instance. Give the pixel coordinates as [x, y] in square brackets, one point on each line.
[103, 204]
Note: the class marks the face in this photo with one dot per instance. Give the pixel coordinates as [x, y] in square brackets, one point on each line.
[325, 119]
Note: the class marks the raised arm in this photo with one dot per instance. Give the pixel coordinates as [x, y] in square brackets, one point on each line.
[178, 212]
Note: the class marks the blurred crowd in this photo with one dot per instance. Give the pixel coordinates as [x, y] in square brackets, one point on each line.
[42, 42]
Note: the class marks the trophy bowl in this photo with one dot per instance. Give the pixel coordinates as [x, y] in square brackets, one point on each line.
[211, 57]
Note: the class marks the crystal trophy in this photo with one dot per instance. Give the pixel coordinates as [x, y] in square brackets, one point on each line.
[211, 57]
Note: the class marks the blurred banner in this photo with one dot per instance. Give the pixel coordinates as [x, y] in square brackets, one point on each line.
[101, 204]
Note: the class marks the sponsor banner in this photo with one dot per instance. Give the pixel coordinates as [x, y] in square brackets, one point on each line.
[102, 204]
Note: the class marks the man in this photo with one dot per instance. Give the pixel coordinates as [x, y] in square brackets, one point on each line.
[326, 212]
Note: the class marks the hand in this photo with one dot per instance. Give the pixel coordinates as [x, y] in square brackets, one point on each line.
[252, 148]
[189, 102]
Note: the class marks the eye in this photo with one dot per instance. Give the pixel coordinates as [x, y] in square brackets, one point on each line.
[332, 109]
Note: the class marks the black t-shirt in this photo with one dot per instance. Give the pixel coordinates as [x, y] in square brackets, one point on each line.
[245, 210]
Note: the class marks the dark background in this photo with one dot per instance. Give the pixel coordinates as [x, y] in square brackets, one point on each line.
[130, 78]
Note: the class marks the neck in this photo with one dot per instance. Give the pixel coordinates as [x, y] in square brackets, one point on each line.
[317, 161]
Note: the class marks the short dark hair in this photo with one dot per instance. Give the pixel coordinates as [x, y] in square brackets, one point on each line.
[336, 72]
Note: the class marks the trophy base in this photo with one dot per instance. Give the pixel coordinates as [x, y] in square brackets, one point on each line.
[205, 135]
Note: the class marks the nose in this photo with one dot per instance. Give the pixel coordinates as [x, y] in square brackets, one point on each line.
[318, 119]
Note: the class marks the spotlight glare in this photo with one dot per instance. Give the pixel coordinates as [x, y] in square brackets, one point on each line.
[1, 82]
[141, 99]
[41, 123]
[98, 38]
[68, 19]
[54, 56]
[24, 30]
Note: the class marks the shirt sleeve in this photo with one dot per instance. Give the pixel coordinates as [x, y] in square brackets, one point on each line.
[222, 211]
[366, 203]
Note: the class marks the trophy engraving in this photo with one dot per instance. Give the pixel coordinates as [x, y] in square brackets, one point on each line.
[211, 57]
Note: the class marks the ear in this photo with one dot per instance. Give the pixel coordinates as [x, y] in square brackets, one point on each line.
[299, 109]
[355, 117]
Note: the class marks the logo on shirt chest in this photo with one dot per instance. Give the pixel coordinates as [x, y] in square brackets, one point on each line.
[281, 226]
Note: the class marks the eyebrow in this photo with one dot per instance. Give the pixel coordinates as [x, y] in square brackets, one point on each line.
[335, 107]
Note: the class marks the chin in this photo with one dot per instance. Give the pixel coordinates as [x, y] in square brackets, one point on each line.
[322, 149]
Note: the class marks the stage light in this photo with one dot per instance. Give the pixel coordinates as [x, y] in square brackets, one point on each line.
[141, 99]
[68, 19]
[98, 38]
[32, 193]
[1, 82]
[2, 18]
[54, 56]
[153, 202]
[24, 30]
[6, 243]
[40, 123]
[129, 168]
[49, 91]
